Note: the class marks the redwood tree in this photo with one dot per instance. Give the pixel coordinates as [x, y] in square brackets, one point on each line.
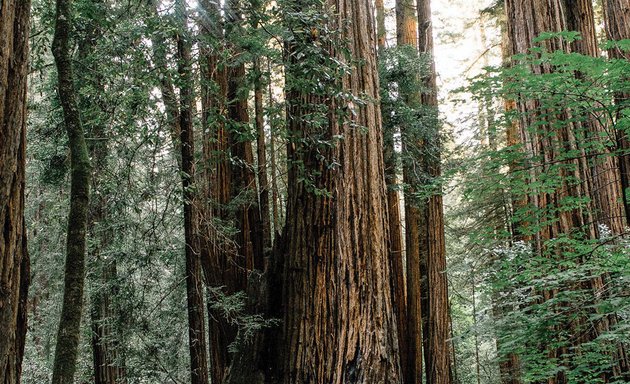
[548, 142]
[617, 23]
[339, 324]
[194, 285]
[14, 262]
[437, 330]
[411, 346]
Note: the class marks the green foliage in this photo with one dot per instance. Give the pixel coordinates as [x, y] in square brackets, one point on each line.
[409, 126]
[560, 303]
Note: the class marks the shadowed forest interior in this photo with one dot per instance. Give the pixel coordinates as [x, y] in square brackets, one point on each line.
[315, 191]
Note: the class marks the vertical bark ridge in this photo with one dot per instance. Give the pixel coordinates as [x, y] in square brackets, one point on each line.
[437, 329]
[14, 261]
[339, 325]
[396, 251]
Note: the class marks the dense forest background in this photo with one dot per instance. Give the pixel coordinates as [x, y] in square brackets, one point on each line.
[314, 191]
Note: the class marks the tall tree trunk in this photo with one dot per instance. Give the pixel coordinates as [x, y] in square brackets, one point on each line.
[339, 325]
[261, 169]
[411, 350]
[438, 361]
[66, 350]
[275, 194]
[14, 261]
[509, 365]
[194, 285]
[263, 181]
[524, 23]
[598, 179]
[396, 252]
[602, 168]
[220, 267]
[606, 187]
[617, 23]
[248, 239]
[106, 336]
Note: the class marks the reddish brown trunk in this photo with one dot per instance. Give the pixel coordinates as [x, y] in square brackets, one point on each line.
[194, 286]
[219, 254]
[248, 239]
[600, 169]
[275, 194]
[396, 252]
[526, 20]
[14, 262]
[261, 153]
[438, 361]
[411, 351]
[263, 181]
[617, 23]
[339, 325]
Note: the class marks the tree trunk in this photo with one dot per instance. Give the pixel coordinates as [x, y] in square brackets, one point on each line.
[70, 324]
[602, 168]
[14, 261]
[263, 181]
[606, 186]
[194, 285]
[219, 263]
[438, 361]
[617, 23]
[396, 252]
[550, 143]
[106, 336]
[275, 194]
[339, 325]
[248, 238]
[261, 169]
[411, 349]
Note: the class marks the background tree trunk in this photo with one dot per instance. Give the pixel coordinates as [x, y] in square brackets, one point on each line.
[617, 24]
[14, 261]
[220, 267]
[437, 332]
[396, 251]
[248, 238]
[194, 285]
[411, 349]
[70, 324]
[602, 169]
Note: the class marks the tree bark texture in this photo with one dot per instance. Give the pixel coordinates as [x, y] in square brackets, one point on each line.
[14, 261]
[261, 147]
[69, 330]
[437, 332]
[605, 185]
[339, 322]
[546, 144]
[603, 168]
[220, 255]
[248, 238]
[410, 334]
[194, 285]
[263, 180]
[405, 11]
[617, 24]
